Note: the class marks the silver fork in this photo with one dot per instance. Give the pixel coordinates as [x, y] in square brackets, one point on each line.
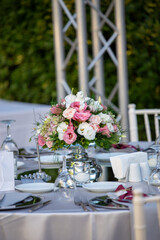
[78, 202]
[86, 202]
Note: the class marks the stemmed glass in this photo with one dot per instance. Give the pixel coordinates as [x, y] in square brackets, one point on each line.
[9, 144]
[64, 185]
[155, 174]
[38, 176]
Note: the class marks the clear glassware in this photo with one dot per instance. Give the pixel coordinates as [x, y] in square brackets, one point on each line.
[81, 173]
[9, 144]
[154, 178]
[64, 185]
[38, 176]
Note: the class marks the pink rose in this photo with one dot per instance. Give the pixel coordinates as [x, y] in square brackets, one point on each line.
[77, 106]
[70, 126]
[115, 128]
[82, 116]
[69, 113]
[69, 136]
[41, 141]
[95, 119]
[105, 131]
[56, 110]
[49, 143]
[104, 107]
[62, 103]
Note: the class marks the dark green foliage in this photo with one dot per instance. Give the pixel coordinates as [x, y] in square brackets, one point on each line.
[27, 69]
[143, 50]
[26, 51]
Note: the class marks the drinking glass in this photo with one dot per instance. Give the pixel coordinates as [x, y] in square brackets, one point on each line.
[155, 174]
[38, 176]
[64, 185]
[9, 144]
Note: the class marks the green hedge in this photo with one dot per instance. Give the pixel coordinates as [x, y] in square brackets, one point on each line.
[26, 51]
[27, 70]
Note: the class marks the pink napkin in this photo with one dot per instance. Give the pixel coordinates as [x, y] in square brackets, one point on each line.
[127, 193]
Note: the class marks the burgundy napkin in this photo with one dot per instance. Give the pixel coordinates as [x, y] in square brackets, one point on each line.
[123, 146]
[127, 193]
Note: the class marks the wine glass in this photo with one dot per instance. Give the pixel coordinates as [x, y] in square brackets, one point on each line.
[155, 174]
[64, 185]
[9, 144]
[38, 176]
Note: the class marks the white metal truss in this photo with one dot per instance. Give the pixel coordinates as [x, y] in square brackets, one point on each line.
[77, 21]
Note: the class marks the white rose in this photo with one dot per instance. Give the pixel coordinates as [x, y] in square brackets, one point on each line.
[62, 127]
[60, 135]
[69, 99]
[80, 97]
[82, 127]
[95, 106]
[89, 133]
[69, 113]
[87, 99]
[106, 118]
[110, 127]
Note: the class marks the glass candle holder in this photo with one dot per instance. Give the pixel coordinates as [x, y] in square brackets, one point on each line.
[81, 173]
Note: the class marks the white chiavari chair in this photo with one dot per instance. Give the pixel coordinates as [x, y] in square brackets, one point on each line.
[139, 213]
[133, 125]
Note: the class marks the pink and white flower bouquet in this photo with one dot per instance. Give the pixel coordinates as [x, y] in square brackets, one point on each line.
[78, 120]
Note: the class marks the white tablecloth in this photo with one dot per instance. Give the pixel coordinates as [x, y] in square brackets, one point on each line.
[61, 220]
[23, 113]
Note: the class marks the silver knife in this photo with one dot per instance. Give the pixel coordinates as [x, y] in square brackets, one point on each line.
[39, 206]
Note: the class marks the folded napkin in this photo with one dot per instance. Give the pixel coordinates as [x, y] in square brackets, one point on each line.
[6, 171]
[122, 193]
[124, 146]
[12, 198]
[120, 164]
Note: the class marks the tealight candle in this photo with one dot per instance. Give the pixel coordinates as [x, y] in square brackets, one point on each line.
[81, 173]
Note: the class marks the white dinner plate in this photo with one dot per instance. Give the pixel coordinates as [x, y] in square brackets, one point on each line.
[35, 187]
[20, 164]
[106, 156]
[101, 187]
[51, 159]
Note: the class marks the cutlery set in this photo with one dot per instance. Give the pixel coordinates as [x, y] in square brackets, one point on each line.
[38, 206]
[25, 203]
[86, 206]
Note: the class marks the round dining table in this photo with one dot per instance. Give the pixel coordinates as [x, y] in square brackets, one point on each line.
[62, 219]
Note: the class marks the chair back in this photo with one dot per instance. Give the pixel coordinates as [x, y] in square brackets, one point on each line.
[133, 126]
[139, 213]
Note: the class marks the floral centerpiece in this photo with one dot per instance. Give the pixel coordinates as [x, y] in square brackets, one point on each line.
[78, 120]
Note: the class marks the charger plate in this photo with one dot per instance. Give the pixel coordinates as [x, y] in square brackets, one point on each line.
[26, 203]
[105, 202]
